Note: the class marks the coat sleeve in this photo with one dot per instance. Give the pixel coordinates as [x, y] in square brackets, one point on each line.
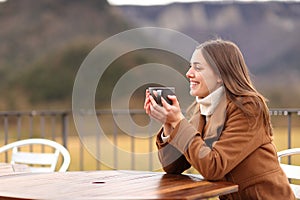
[173, 161]
[241, 135]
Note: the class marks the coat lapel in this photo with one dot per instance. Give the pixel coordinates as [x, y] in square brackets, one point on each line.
[216, 122]
[198, 120]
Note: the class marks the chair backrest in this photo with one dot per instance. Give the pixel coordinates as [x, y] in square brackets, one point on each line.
[39, 162]
[291, 171]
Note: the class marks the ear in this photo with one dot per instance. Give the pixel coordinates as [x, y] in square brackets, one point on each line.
[219, 80]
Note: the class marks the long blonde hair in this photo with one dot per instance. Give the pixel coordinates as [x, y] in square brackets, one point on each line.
[227, 60]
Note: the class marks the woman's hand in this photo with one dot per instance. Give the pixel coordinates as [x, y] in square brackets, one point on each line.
[166, 114]
[147, 102]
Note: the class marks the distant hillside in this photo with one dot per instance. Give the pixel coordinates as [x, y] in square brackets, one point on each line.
[267, 33]
[263, 30]
[43, 43]
[30, 29]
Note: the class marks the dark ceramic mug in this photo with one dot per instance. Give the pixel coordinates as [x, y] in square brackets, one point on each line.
[158, 92]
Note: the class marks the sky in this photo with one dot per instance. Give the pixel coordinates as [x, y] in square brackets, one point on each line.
[164, 2]
[146, 2]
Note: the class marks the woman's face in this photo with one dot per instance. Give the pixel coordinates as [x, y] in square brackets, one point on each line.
[203, 80]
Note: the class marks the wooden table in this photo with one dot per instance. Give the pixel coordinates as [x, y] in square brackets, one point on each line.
[110, 185]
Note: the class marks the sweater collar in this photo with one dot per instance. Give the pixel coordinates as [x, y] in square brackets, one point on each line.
[209, 103]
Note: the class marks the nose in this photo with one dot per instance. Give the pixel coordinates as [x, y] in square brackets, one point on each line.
[190, 73]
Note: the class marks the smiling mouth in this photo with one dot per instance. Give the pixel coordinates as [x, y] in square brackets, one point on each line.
[193, 84]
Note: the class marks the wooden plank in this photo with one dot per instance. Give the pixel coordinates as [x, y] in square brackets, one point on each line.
[110, 185]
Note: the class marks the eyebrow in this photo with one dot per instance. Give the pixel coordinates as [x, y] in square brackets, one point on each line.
[196, 63]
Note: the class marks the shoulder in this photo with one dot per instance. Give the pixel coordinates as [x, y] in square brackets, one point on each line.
[248, 111]
[250, 106]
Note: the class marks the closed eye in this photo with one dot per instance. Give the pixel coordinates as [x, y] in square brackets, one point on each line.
[197, 67]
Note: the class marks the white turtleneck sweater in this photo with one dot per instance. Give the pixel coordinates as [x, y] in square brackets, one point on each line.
[209, 103]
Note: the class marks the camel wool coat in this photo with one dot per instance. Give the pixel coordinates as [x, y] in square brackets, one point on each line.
[238, 149]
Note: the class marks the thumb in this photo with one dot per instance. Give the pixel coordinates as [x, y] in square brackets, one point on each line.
[174, 100]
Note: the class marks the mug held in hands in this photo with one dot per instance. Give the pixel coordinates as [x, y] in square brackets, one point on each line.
[158, 92]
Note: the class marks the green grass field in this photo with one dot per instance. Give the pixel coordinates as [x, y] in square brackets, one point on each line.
[134, 153]
[142, 147]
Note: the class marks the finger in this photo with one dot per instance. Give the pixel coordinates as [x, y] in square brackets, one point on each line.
[155, 107]
[165, 104]
[156, 114]
[174, 100]
[152, 100]
[153, 112]
[147, 109]
[146, 97]
[147, 92]
[147, 101]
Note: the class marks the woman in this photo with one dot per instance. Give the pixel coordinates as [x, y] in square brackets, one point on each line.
[229, 135]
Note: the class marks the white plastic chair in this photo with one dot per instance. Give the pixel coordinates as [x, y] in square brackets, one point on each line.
[291, 171]
[40, 162]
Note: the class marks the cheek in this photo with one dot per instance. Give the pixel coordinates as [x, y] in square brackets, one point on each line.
[202, 89]
[210, 81]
